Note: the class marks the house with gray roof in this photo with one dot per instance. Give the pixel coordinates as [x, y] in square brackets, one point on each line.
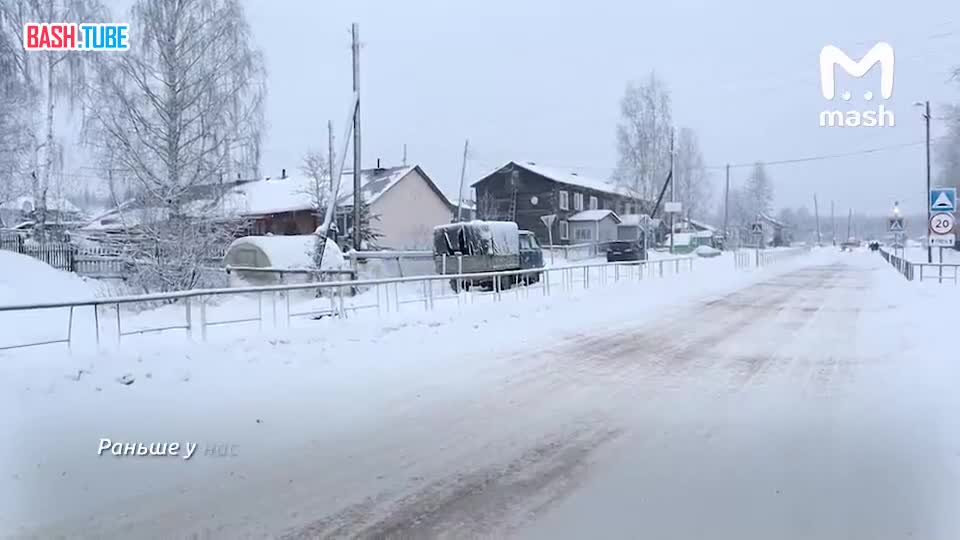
[524, 192]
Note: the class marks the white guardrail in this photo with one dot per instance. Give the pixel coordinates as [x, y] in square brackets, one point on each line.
[108, 313]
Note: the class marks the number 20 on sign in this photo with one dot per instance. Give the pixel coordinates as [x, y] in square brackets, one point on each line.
[942, 223]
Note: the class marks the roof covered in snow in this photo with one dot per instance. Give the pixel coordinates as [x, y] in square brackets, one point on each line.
[680, 239]
[594, 215]
[26, 204]
[466, 204]
[293, 193]
[772, 221]
[700, 225]
[637, 219]
[572, 178]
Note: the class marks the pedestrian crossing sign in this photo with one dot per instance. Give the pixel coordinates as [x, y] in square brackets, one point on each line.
[757, 228]
[896, 224]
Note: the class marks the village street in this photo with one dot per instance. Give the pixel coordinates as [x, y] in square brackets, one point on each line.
[803, 403]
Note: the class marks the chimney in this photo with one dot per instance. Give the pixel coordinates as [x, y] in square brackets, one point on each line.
[378, 163]
[283, 174]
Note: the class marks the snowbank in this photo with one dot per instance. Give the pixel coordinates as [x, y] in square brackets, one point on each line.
[707, 251]
[26, 280]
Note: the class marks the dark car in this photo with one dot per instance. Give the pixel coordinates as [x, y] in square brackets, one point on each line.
[625, 250]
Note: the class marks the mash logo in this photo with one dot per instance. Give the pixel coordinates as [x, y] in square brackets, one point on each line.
[830, 58]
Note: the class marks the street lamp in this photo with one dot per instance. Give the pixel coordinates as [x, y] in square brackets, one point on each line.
[926, 195]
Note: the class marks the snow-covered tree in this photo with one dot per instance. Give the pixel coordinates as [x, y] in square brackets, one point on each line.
[16, 99]
[948, 150]
[52, 78]
[316, 167]
[693, 184]
[175, 114]
[759, 191]
[643, 138]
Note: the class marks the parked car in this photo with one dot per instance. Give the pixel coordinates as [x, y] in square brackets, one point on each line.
[625, 250]
[475, 247]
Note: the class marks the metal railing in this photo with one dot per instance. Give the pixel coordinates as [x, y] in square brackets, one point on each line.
[273, 303]
[274, 307]
[915, 271]
[746, 258]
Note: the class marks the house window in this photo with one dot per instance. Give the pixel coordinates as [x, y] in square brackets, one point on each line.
[564, 200]
[578, 201]
[594, 203]
[583, 234]
[564, 230]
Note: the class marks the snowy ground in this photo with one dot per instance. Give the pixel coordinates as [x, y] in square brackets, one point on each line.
[805, 400]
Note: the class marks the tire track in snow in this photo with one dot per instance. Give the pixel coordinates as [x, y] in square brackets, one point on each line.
[481, 501]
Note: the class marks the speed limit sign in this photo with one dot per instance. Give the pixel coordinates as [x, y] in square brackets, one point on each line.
[942, 223]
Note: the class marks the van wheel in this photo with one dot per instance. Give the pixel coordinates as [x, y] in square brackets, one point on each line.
[455, 285]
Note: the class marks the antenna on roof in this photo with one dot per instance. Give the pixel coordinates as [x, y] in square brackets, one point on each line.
[404, 154]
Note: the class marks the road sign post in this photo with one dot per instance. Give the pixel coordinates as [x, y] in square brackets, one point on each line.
[548, 221]
[757, 229]
[943, 204]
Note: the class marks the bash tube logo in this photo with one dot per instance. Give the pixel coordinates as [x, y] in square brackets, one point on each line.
[76, 37]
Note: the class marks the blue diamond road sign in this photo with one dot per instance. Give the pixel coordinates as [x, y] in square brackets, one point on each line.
[943, 199]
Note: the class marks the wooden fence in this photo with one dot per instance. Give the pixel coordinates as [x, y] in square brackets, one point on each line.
[95, 262]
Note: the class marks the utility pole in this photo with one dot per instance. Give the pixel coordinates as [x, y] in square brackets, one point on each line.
[463, 173]
[816, 212]
[357, 195]
[726, 207]
[333, 181]
[849, 222]
[673, 195]
[833, 226]
[926, 196]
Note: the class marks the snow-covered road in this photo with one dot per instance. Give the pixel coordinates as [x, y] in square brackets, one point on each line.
[811, 402]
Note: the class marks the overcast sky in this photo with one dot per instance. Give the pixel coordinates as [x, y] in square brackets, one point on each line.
[541, 80]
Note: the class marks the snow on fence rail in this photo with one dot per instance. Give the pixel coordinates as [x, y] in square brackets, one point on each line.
[915, 271]
[190, 311]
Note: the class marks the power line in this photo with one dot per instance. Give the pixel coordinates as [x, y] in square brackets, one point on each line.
[822, 157]
[805, 159]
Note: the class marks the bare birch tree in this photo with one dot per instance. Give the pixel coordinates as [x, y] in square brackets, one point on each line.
[177, 111]
[643, 139]
[317, 169]
[54, 78]
[16, 102]
[693, 183]
[758, 192]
